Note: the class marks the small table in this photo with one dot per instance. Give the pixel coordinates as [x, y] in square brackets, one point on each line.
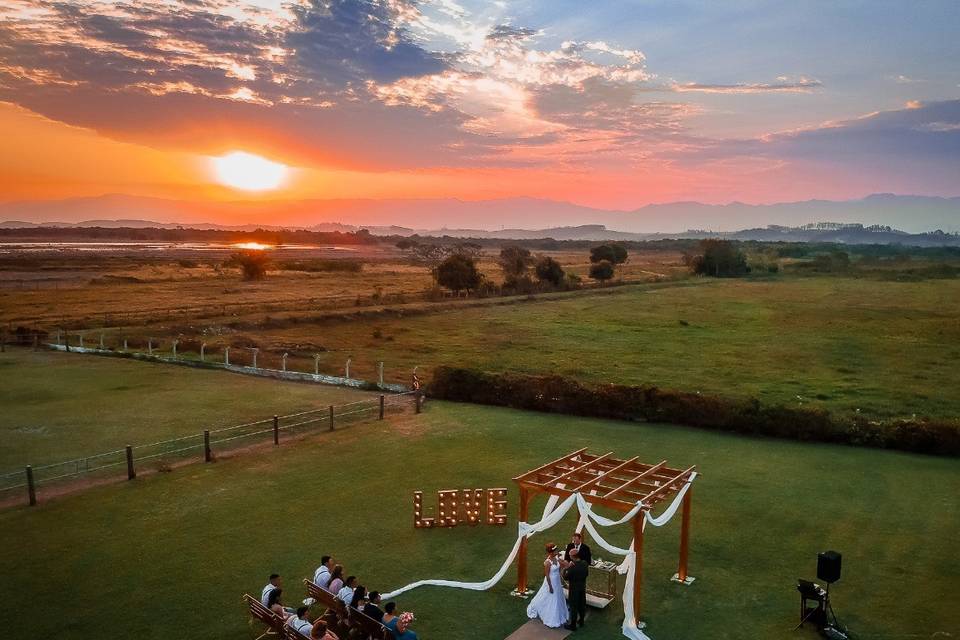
[603, 590]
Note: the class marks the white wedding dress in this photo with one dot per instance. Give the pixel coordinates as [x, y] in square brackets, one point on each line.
[551, 608]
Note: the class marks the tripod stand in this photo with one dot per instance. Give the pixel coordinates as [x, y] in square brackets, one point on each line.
[832, 627]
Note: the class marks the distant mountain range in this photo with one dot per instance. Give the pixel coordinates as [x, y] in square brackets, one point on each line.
[515, 217]
[827, 232]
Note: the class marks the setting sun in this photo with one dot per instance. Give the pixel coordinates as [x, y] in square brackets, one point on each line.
[249, 172]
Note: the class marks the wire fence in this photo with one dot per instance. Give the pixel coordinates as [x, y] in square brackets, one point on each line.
[206, 446]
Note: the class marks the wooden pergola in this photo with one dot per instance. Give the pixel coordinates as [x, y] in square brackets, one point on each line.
[609, 482]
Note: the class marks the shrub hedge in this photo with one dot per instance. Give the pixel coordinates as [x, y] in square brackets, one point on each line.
[557, 394]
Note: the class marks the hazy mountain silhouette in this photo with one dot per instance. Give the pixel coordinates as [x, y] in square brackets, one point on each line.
[909, 213]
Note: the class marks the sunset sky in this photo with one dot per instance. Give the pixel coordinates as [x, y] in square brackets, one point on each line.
[603, 103]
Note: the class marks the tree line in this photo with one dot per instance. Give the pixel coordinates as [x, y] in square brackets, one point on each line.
[454, 266]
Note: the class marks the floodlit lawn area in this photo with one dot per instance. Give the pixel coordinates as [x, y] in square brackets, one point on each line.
[884, 348]
[169, 556]
[59, 406]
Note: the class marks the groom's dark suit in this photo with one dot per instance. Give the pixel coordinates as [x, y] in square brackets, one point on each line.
[584, 553]
[576, 575]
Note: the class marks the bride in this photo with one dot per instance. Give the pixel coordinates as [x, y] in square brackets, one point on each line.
[549, 604]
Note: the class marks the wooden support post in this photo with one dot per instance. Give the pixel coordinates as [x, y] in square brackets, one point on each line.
[331, 417]
[131, 472]
[207, 454]
[381, 407]
[31, 487]
[417, 401]
[684, 537]
[638, 571]
[276, 430]
[522, 553]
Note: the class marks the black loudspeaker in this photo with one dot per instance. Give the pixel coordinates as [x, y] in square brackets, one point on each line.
[828, 566]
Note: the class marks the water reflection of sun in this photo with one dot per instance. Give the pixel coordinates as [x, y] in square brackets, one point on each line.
[253, 246]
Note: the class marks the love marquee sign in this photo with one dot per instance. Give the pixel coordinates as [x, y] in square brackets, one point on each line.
[466, 506]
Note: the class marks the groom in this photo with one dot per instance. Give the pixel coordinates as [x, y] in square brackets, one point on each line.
[576, 575]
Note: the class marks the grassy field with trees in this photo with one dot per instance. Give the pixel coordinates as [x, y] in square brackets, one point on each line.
[169, 556]
[880, 348]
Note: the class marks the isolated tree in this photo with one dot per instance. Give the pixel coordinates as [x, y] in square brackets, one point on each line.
[428, 255]
[514, 260]
[253, 264]
[613, 253]
[458, 272]
[718, 258]
[549, 270]
[601, 271]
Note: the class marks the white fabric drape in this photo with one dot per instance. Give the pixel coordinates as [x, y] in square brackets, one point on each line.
[524, 530]
[553, 512]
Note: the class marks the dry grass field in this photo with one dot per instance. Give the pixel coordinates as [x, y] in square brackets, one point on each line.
[89, 290]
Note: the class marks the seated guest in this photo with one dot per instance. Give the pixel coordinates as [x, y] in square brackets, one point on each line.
[345, 595]
[320, 631]
[301, 622]
[388, 616]
[359, 597]
[398, 624]
[336, 579]
[323, 574]
[372, 608]
[276, 605]
[274, 583]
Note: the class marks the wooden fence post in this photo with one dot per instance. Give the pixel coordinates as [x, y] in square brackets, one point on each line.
[31, 488]
[207, 454]
[276, 430]
[381, 407]
[331, 417]
[131, 472]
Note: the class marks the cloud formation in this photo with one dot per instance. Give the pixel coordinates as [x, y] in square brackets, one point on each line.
[377, 85]
[782, 85]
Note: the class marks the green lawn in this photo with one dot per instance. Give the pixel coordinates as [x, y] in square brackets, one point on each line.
[59, 406]
[169, 556]
[884, 348]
